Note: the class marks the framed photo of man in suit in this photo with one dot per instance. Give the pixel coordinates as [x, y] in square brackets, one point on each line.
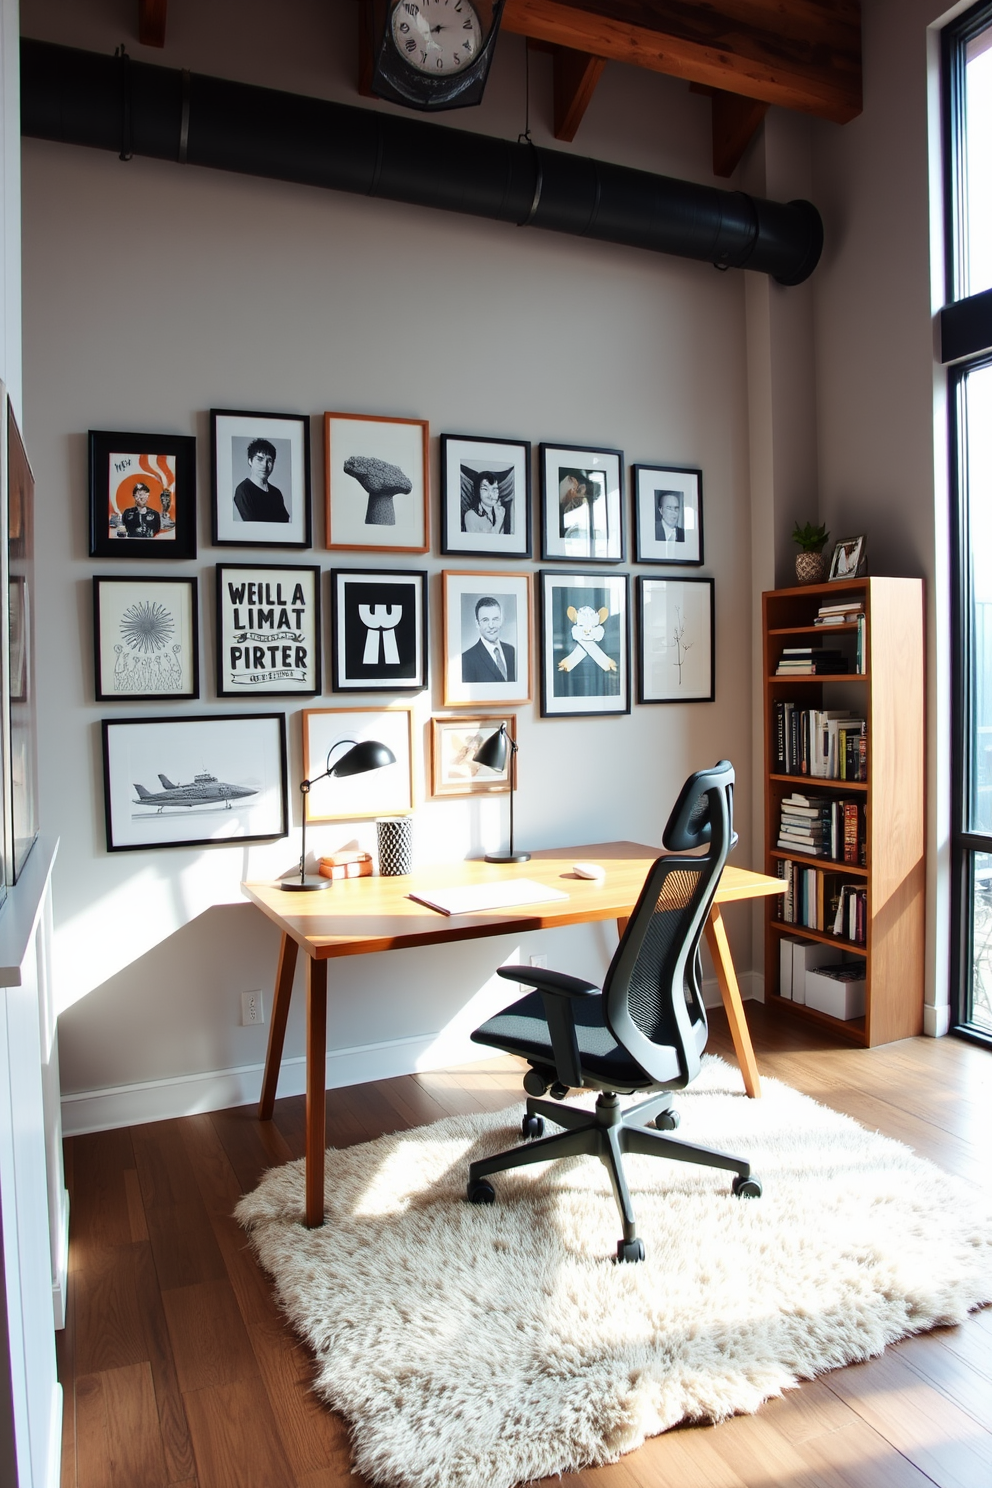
[668, 514]
[486, 637]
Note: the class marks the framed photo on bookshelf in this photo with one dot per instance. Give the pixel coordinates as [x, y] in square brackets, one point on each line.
[584, 643]
[268, 630]
[380, 630]
[387, 791]
[849, 559]
[377, 482]
[142, 495]
[260, 478]
[454, 744]
[582, 504]
[486, 638]
[675, 640]
[485, 496]
[668, 514]
[145, 638]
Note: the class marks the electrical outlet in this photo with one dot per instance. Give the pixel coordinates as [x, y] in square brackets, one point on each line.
[252, 1008]
[538, 960]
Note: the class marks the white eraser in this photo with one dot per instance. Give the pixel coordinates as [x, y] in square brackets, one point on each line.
[588, 870]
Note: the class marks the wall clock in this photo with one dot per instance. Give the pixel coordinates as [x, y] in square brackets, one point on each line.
[432, 54]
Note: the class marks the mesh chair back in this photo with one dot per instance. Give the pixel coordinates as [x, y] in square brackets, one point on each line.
[652, 992]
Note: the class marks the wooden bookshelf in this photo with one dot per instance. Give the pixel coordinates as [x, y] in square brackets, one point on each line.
[889, 694]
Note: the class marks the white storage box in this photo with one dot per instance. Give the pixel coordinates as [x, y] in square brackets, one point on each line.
[806, 956]
[838, 990]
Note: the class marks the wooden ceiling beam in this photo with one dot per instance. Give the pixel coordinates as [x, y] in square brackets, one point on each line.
[575, 77]
[151, 22]
[800, 54]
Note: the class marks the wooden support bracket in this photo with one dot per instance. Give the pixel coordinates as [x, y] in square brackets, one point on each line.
[576, 75]
[151, 22]
[736, 120]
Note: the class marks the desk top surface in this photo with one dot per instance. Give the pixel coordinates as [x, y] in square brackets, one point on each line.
[359, 915]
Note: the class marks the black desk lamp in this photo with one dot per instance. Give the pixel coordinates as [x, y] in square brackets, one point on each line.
[369, 754]
[493, 754]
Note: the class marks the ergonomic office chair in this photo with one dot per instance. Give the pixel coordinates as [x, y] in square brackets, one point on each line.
[644, 1031]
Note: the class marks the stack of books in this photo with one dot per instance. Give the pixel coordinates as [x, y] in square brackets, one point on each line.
[822, 827]
[810, 661]
[845, 612]
[819, 899]
[830, 744]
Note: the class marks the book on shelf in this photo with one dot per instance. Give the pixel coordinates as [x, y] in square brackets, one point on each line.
[819, 899]
[824, 827]
[829, 744]
[810, 661]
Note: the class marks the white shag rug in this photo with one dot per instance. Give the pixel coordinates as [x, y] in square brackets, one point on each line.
[479, 1347]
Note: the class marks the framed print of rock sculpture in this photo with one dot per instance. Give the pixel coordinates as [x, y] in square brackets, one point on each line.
[377, 482]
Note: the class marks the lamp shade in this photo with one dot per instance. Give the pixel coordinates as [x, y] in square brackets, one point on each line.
[492, 753]
[367, 754]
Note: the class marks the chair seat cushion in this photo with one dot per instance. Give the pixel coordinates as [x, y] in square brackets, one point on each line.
[522, 1029]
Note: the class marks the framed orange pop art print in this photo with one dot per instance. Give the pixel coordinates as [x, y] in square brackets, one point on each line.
[142, 495]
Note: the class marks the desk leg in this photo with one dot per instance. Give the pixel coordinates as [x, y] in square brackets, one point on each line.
[277, 1025]
[622, 923]
[316, 1081]
[716, 939]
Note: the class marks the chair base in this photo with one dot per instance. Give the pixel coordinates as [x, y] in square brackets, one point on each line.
[607, 1133]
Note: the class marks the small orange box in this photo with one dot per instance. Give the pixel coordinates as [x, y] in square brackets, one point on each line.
[346, 865]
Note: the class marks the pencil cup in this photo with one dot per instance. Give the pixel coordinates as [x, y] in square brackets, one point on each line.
[395, 834]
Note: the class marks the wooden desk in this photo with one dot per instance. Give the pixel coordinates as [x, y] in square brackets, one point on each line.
[360, 915]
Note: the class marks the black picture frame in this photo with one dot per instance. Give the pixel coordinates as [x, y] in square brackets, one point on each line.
[145, 635]
[250, 629]
[465, 457]
[585, 688]
[570, 533]
[240, 516]
[358, 662]
[164, 526]
[651, 485]
[164, 750]
[685, 621]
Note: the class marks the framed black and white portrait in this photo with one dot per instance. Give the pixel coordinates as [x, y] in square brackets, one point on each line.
[194, 782]
[145, 638]
[387, 791]
[380, 630]
[377, 482]
[260, 466]
[582, 504]
[142, 495]
[268, 630]
[585, 643]
[675, 641]
[485, 496]
[486, 637]
[668, 514]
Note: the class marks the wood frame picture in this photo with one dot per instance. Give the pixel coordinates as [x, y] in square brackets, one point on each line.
[387, 791]
[582, 519]
[486, 614]
[209, 780]
[142, 495]
[260, 479]
[668, 514]
[268, 630]
[145, 638]
[379, 641]
[585, 643]
[377, 483]
[849, 559]
[454, 741]
[485, 496]
[675, 629]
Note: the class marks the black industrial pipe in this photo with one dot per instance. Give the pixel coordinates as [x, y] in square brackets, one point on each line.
[113, 103]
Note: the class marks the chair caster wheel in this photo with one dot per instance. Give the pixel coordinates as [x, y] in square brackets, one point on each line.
[535, 1084]
[532, 1126]
[667, 1121]
[558, 1090]
[480, 1191]
[747, 1188]
[630, 1250]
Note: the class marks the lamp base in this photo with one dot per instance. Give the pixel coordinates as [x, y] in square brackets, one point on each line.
[506, 857]
[308, 885]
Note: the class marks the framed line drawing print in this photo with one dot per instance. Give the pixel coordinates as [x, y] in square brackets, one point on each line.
[582, 504]
[260, 479]
[142, 495]
[387, 791]
[485, 496]
[668, 514]
[379, 630]
[194, 782]
[454, 743]
[268, 630]
[675, 641]
[145, 638]
[377, 482]
[486, 638]
[585, 643]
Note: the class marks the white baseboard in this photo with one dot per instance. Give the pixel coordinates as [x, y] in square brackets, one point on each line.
[936, 1020]
[216, 1090]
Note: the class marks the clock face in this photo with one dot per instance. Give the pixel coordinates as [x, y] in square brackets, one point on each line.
[437, 37]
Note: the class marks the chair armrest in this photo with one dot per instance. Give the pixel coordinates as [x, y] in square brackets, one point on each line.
[558, 983]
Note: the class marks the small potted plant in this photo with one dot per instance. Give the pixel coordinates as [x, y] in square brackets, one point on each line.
[811, 566]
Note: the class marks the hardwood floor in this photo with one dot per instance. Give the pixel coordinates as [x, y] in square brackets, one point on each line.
[177, 1365]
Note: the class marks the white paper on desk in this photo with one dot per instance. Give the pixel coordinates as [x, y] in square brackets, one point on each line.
[472, 898]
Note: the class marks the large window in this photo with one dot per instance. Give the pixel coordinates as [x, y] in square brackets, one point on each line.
[966, 324]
